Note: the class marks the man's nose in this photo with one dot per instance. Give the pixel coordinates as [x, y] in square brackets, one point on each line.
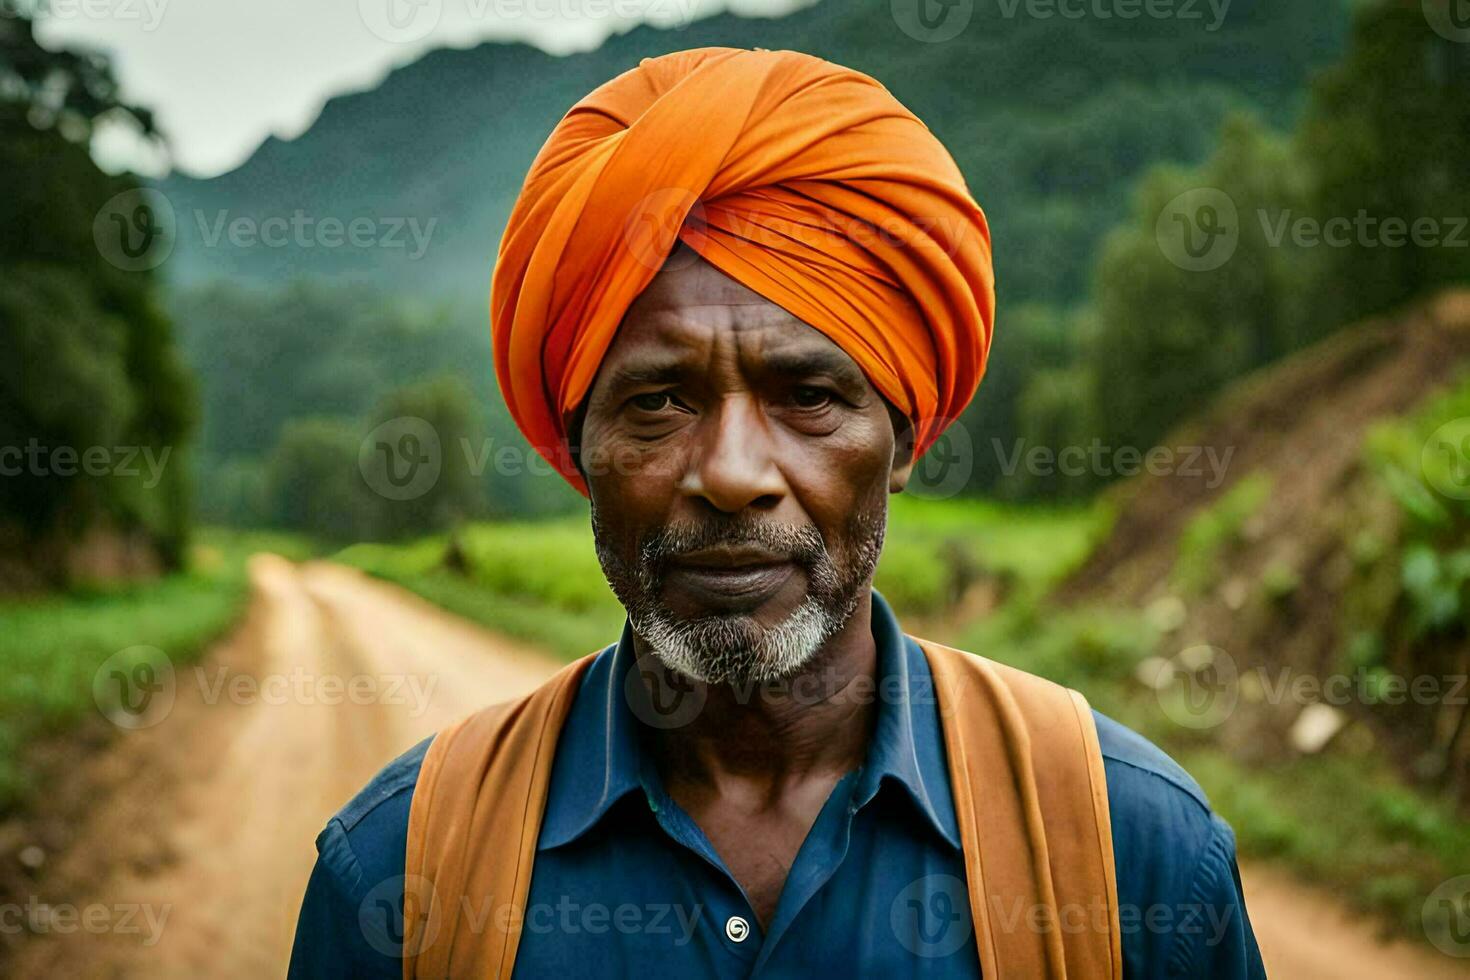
[733, 464]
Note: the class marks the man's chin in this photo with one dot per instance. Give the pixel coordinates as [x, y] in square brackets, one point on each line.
[740, 648]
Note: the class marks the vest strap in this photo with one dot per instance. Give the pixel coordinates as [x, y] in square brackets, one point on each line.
[1028, 784]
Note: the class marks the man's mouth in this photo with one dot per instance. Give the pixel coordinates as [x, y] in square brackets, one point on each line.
[729, 577]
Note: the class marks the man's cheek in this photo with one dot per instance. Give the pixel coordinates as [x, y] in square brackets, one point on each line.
[622, 460]
[836, 488]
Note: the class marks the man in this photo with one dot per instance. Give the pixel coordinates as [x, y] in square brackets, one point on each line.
[740, 294]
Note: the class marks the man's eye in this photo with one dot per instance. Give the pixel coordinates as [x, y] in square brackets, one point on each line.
[806, 396]
[652, 401]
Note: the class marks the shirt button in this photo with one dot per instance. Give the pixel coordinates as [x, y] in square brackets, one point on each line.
[736, 929]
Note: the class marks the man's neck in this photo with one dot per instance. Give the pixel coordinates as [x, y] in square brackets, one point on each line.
[771, 736]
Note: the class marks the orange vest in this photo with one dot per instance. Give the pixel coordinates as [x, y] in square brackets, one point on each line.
[1029, 794]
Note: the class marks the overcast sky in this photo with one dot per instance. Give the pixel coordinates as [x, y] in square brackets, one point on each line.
[221, 75]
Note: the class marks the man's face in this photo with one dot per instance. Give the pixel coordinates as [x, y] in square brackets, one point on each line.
[739, 464]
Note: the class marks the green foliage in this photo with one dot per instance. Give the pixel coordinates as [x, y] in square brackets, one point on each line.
[310, 350]
[1032, 339]
[312, 481]
[1384, 136]
[64, 90]
[565, 634]
[1213, 530]
[552, 562]
[1435, 586]
[1420, 462]
[264, 358]
[326, 477]
[449, 408]
[90, 363]
[539, 582]
[1055, 411]
[1383, 850]
[1422, 456]
[1279, 581]
[1385, 847]
[913, 575]
[1032, 546]
[1094, 650]
[1387, 133]
[1168, 336]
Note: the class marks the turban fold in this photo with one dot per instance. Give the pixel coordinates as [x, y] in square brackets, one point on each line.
[805, 181]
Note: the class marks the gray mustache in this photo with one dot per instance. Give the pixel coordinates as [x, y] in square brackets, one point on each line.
[803, 545]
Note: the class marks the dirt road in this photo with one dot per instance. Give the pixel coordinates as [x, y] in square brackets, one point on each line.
[215, 835]
[211, 813]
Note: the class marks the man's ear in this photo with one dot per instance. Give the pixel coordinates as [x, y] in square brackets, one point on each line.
[574, 424]
[903, 451]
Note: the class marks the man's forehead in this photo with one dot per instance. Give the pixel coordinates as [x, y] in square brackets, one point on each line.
[688, 279]
[690, 303]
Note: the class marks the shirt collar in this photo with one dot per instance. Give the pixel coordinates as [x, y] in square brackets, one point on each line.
[600, 758]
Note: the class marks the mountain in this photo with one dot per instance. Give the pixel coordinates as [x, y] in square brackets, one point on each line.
[1050, 117]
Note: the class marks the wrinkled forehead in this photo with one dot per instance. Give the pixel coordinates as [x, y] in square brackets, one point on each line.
[692, 312]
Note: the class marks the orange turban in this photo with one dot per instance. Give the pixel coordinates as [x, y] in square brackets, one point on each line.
[803, 180]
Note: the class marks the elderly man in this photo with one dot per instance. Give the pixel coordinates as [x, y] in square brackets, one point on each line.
[740, 294]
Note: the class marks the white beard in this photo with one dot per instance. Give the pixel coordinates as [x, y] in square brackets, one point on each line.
[724, 650]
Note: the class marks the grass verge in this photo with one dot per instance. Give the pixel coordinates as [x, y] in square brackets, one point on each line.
[1343, 819]
[51, 647]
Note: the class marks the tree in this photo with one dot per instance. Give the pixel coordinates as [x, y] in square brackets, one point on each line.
[407, 468]
[313, 484]
[1199, 288]
[66, 92]
[1387, 135]
[451, 423]
[90, 365]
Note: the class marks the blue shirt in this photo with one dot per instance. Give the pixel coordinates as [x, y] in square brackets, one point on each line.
[625, 882]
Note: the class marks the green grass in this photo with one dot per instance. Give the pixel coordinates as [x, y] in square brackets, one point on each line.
[1027, 546]
[537, 581]
[1214, 530]
[51, 647]
[1342, 820]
